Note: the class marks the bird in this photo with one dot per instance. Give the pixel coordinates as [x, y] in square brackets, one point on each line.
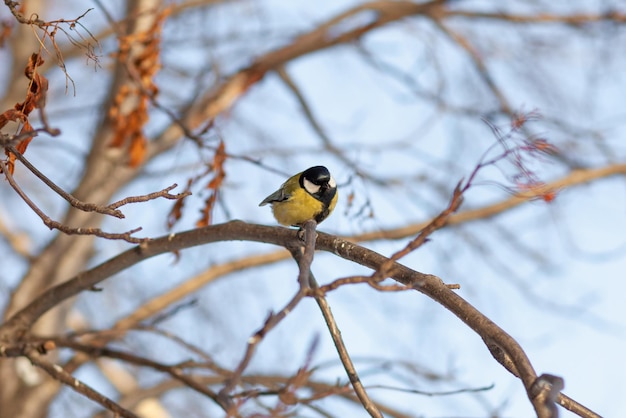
[310, 194]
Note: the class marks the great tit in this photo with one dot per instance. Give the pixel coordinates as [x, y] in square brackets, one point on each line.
[311, 194]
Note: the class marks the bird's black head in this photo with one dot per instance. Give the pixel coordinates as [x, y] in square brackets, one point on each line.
[318, 175]
[319, 183]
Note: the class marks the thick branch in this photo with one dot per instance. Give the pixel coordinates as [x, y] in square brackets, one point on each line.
[574, 178]
[336, 31]
[570, 19]
[19, 324]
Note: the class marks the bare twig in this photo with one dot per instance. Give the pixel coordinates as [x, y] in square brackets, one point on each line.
[43, 116]
[577, 19]
[304, 260]
[524, 180]
[495, 337]
[271, 322]
[429, 393]
[8, 140]
[575, 407]
[185, 240]
[343, 281]
[151, 196]
[58, 373]
[307, 280]
[14, 8]
[87, 207]
[52, 224]
[343, 353]
[175, 371]
[50, 29]
[436, 223]
[576, 177]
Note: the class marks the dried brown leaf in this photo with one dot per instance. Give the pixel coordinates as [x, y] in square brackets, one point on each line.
[214, 185]
[177, 210]
[129, 113]
[35, 98]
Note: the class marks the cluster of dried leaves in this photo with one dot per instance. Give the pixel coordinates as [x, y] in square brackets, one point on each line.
[215, 174]
[140, 52]
[35, 99]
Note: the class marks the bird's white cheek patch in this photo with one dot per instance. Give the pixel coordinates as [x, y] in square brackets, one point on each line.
[332, 183]
[310, 187]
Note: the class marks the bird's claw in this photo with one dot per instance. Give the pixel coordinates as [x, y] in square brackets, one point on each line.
[301, 234]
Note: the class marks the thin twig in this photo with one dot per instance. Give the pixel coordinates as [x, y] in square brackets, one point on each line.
[307, 280]
[175, 370]
[151, 196]
[432, 286]
[429, 393]
[576, 407]
[52, 224]
[304, 261]
[342, 351]
[574, 19]
[574, 178]
[436, 223]
[58, 373]
[14, 7]
[86, 207]
[271, 322]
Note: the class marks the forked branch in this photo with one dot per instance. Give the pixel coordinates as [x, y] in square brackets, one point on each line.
[87, 207]
[58, 373]
[16, 328]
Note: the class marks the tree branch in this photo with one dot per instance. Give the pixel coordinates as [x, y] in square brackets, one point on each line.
[52, 224]
[510, 354]
[58, 373]
[343, 353]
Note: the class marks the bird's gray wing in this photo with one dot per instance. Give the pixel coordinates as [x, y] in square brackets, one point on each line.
[278, 196]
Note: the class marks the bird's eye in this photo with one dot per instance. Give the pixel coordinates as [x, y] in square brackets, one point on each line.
[310, 186]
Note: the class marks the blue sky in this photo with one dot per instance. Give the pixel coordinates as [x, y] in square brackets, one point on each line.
[551, 275]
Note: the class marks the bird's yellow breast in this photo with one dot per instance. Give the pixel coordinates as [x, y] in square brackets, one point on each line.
[299, 208]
